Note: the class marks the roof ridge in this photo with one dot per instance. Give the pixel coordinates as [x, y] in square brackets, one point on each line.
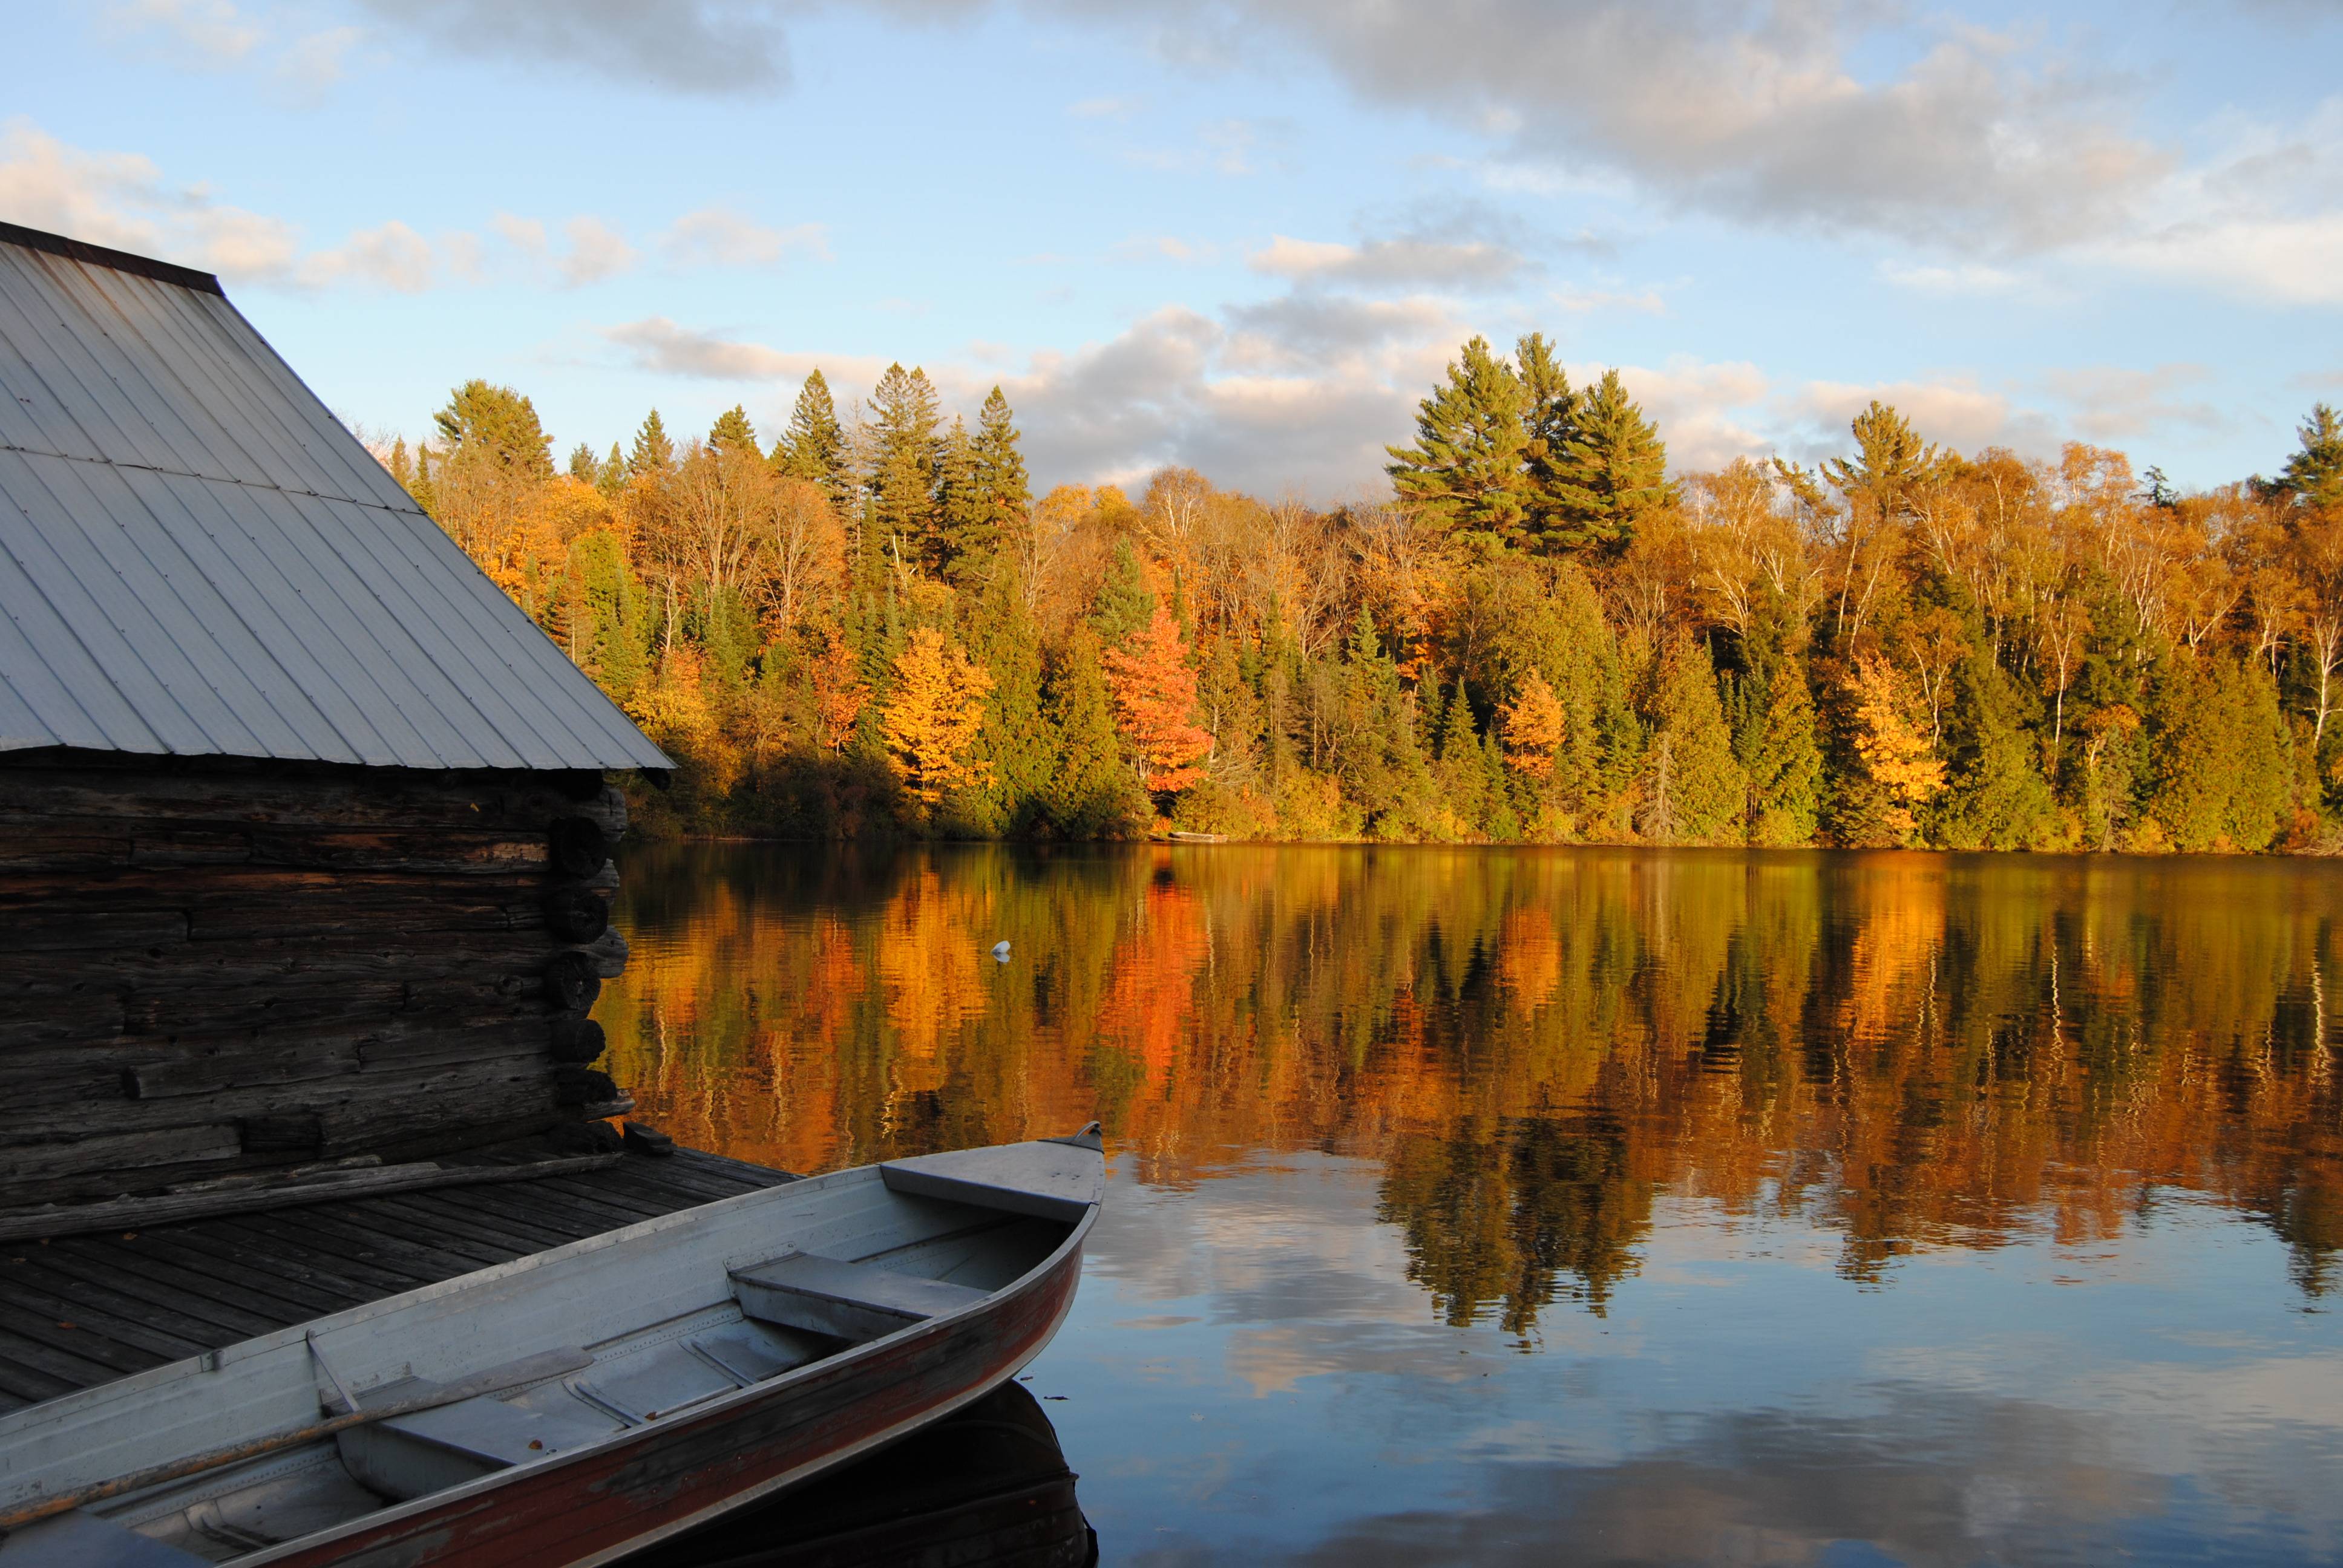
[102, 256]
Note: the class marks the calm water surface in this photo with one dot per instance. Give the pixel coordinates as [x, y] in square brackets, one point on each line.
[1593, 1206]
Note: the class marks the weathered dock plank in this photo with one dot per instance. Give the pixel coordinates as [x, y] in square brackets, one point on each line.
[146, 1298]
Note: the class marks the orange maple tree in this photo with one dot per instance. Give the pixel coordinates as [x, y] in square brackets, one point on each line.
[1532, 725]
[839, 692]
[934, 715]
[1154, 691]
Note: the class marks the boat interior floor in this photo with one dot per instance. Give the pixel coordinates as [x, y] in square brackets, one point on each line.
[781, 1313]
[80, 1311]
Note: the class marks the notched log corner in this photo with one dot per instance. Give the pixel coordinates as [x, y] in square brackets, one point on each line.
[571, 984]
[577, 847]
[576, 914]
[583, 1086]
[575, 1042]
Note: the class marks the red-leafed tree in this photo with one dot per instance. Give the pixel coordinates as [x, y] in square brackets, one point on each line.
[1154, 690]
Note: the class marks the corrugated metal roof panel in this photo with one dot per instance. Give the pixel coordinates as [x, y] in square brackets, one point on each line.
[196, 558]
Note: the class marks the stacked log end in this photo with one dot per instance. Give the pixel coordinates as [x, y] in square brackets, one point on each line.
[220, 966]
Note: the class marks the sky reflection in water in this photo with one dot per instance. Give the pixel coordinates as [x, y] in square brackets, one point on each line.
[1593, 1206]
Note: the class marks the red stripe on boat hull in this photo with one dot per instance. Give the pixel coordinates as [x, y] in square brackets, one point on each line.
[666, 1476]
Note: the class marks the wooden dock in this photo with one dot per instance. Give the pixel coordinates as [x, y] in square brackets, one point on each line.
[79, 1311]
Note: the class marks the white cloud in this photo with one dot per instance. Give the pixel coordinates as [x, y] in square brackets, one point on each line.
[1954, 411]
[1381, 262]
[1149, 247]
[2268, 261]
[121, 199]
[596, 251]
[701, 47]
[390, 255]
[719, 236]
[1233, 147]
[206, 31]
[316, 60]
[657, 344]
[1972, 279]
[1709, 412]
[525, 235]
[1750, 109]
[214, 34]
[2111, 404]
[2260, 218]
[1582, 301]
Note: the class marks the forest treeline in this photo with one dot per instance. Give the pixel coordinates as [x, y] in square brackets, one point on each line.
[871, 624]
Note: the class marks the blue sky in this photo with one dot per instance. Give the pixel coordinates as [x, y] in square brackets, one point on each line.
[1246, 239]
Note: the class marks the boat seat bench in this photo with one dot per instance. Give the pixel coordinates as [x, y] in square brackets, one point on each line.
[850, 1301]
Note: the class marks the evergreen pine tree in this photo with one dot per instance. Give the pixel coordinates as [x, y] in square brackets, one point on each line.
[732, 432]
[1784, 760]
[1378, 754]
[498, 423]
[1465, 470]
[1995, 797]
[905, 443]
[1125, 604]
[1549, 419]
[2261, 798]
[1014, 745]
[610, 476]
[2191, 744]
[999, 466]
[582, 466]
[654, 454]
[1464, 777]
[1694, 790]
[2313, 476]
[1092, 794]
[813, 445]
[1611, 472]
[1500, 820]
[963, 516]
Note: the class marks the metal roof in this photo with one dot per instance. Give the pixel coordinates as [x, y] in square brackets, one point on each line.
[196, 558]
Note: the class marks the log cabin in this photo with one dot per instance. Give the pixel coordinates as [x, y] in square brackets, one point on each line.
[305, 827]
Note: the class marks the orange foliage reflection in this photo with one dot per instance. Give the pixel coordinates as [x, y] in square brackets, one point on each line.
[1911, 1050]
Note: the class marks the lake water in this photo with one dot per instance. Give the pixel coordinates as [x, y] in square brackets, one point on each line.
[1593, 1206]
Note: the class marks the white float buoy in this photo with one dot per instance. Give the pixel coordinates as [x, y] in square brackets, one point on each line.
[1001, 953]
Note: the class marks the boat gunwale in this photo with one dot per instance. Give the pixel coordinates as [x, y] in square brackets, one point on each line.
[93, 1401]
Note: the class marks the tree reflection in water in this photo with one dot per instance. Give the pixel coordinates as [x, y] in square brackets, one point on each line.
[1911, 1051]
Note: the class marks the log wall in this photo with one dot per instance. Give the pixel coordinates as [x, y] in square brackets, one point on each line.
[212, 966]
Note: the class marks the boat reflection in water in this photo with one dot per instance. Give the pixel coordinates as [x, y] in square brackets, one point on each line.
[986, 1485]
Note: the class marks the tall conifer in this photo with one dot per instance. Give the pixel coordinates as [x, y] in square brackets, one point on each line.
[1612, 471]
[963, 515]
[611, 478]
[1995, 797]
[733, 433]
[1465, 470]
[812, 446]
[999, 466]
[654, 452]
[1125, 604]
[1694, 790]
[905, 441]
[1092, 794]
[497, 425]
[1549, 419]
[2313, 474]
